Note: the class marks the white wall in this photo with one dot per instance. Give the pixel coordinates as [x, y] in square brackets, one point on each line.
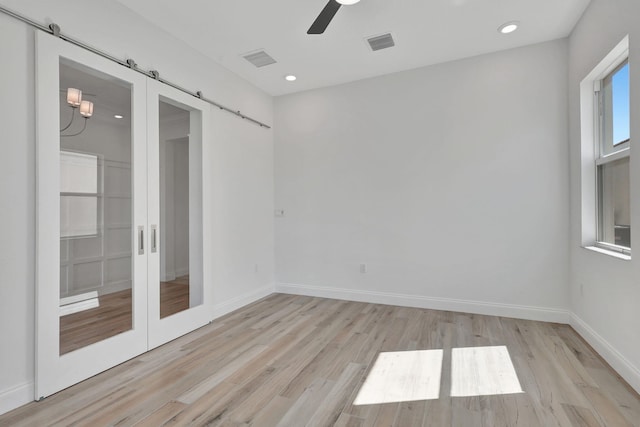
[449, 182]
[605, 291]
[17, 214]
[243, 181]
[241, 172]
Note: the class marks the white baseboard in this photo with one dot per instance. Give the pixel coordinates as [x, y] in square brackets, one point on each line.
[78, 306]
[241, 300]
[181, 272]
[113, 287]
[446, 304]
[170, 277]
[15, 397]
[618, 362]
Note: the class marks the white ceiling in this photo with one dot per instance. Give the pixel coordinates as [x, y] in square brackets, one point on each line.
[426, 32]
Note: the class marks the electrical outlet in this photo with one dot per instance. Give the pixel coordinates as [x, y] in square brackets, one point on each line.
[363, 268]
[279, 212]
[255, 268]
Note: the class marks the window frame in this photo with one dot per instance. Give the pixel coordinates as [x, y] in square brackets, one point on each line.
[98, 196]
[594, 154]
[603, 150]
[607, 155]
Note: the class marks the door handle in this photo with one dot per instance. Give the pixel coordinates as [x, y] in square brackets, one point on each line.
[141, 240]
[154, 238]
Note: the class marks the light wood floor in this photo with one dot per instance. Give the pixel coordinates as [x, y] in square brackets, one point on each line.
[113, 316]
[295, 361]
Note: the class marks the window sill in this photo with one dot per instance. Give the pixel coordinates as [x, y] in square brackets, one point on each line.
[608, 252]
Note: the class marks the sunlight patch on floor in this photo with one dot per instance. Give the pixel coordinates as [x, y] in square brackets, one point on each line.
[482, 371]
[402, 376]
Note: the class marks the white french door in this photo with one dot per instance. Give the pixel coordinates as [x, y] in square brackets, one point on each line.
[178, 300]
[120, 249]
[91, 224]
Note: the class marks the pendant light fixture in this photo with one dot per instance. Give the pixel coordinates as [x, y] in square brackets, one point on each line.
[75, 102]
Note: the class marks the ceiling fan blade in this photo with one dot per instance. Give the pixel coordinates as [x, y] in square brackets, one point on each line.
[325, 17]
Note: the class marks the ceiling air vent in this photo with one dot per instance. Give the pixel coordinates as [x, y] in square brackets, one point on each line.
[381, 42]
[259, 58]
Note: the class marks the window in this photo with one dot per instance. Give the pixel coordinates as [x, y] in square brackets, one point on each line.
[606, 140]
[614, 224]
[79, 195]
[614, 106]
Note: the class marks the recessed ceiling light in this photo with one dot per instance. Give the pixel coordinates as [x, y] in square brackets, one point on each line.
[347, 2]
[290, 78]
[118, 116]
[508, 27]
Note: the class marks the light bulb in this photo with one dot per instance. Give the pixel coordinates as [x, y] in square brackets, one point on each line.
[74, 97]
[86, 109]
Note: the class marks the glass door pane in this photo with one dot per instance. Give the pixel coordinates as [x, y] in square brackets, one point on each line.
[177, 300]
[177, 291]
[95, 206]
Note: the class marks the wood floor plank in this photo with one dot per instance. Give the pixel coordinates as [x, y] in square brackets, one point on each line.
[437, 412]
[304, 407]
[202, 411]
[625, 399]
[161, 415]
[293, 360]
[272, 412]
[347, 420]
[211, 382]
[330, 409]
[569, 362]
[580, 417]
[513, 410]
[384, 415]
[218, 410]
[410, 414]
[607, 412]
